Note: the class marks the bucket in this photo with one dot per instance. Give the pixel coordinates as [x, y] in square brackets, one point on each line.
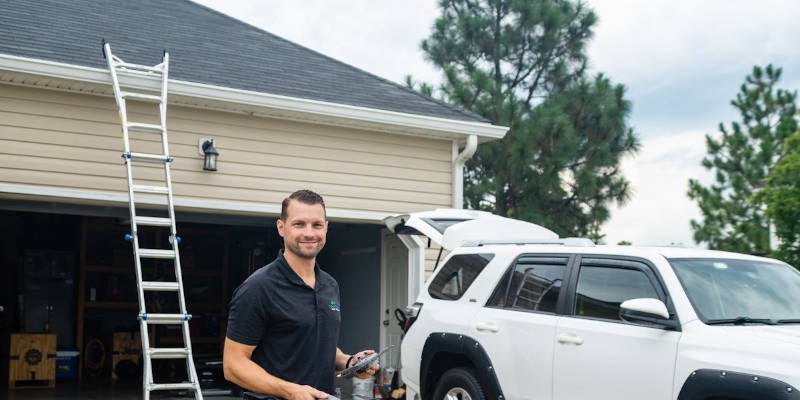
[362, 388]
[388, 375]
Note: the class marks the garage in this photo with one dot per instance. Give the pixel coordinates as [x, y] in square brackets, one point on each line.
[72, 276]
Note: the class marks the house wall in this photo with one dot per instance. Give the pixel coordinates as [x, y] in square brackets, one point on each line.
[431, 255]
[68, 140]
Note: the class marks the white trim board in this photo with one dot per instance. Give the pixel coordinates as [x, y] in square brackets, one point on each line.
[45, 193]
[61, 76]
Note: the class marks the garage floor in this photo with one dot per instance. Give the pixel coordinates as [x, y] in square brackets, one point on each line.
[118, 391]
[88, 392]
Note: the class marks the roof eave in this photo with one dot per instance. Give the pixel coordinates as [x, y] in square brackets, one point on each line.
[20, 70]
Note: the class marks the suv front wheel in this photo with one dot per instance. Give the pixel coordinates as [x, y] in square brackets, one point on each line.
[459, 384]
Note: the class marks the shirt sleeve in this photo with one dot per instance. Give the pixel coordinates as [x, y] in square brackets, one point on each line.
[247, 315]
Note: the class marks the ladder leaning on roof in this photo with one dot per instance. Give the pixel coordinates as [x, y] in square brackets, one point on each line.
[115, 65]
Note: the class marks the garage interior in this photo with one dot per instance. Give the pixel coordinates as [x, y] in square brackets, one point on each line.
[66, 270]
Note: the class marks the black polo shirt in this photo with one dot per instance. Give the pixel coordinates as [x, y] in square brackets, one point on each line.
[295, 328]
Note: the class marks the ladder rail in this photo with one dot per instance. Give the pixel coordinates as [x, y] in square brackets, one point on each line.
[129, 173]
[173, 230]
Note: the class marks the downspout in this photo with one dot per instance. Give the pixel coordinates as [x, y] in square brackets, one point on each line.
[459, 159]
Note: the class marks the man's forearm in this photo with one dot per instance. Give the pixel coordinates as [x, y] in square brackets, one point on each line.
[251, 376]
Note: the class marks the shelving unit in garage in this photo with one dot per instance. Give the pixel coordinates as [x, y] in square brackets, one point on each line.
[106, 284]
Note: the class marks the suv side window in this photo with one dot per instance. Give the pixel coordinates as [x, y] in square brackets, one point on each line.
[601, 290]
[532, 284]
[457, 275]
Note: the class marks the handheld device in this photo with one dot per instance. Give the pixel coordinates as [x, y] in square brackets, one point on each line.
[363, 364]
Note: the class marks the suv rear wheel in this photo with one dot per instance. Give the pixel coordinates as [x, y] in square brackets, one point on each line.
[459, 384]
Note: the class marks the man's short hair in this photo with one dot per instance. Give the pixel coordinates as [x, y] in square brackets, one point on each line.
[304, 196]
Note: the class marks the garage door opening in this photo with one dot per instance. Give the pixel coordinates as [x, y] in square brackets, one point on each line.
[72, 276]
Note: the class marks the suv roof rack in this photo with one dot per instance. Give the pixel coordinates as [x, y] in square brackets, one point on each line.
[572, 241]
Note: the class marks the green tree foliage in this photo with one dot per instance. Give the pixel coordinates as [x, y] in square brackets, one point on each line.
[742, 157]
[521, 64]
[421, 87]
[782, 198]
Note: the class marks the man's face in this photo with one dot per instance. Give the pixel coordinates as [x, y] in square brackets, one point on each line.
[304, 230]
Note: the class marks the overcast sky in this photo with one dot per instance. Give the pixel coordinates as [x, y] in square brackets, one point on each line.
[682, 62]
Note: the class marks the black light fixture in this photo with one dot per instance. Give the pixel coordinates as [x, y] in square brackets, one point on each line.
[210, 152]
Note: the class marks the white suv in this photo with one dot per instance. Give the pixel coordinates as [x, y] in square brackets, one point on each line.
[514, 312]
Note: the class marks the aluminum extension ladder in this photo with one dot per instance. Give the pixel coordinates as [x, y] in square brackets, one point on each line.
[116, 65]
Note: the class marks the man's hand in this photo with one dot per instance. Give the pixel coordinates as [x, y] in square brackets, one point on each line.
[304, 392]
[370, 371]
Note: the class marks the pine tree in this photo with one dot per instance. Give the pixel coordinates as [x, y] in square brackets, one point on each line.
[742, 157]
[781, 195]
[522, 64]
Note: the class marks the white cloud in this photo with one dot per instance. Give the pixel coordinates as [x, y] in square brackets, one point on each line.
[382, 38]
[653, 43]
[659, 211]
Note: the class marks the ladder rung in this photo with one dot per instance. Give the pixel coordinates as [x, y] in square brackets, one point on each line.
[156, 253]
[165, 319]
[121, 64]
[151, 158]
[149, 189]
[140, 96]
[140, 72]
[151, 128]
[168, 353]
[156, 286]
[172, 386]
[153, 221]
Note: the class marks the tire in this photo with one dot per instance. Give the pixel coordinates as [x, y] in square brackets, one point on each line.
[459, 384]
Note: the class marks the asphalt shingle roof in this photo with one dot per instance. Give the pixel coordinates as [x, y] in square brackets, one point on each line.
[205, 46]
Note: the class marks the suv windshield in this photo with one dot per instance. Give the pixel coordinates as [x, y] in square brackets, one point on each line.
[740, 291]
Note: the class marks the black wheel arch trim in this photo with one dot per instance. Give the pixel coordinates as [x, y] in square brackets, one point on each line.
[705, 383]
[443, 342]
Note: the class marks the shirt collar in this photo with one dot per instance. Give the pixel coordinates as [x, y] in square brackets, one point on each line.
[292, 276]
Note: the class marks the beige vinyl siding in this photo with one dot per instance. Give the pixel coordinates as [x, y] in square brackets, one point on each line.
[431, 253]
[67, 140]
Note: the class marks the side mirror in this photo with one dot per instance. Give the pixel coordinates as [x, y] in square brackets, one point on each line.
[648, 311]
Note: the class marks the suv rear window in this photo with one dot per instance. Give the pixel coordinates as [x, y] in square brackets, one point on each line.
[535, 283]
[457, 275]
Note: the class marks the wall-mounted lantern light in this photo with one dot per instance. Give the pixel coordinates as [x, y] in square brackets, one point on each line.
[210, 153]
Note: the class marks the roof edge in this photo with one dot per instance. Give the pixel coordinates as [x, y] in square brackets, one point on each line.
[270, 104]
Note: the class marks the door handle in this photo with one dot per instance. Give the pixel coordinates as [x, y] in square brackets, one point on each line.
[490, 327]
[569, 338]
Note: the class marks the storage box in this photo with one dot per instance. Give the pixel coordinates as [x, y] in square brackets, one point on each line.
[32, 360]
[128, 352]
[67, 364]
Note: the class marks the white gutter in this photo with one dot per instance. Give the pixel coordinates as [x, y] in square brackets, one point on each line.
[257, 103]
[459, 159]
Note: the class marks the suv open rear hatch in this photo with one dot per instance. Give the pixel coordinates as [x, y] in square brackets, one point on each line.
[452, 228]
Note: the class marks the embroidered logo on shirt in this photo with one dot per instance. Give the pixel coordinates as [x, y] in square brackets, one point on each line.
[334, 306]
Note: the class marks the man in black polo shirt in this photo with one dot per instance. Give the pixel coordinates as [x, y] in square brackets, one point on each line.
[283, 323]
